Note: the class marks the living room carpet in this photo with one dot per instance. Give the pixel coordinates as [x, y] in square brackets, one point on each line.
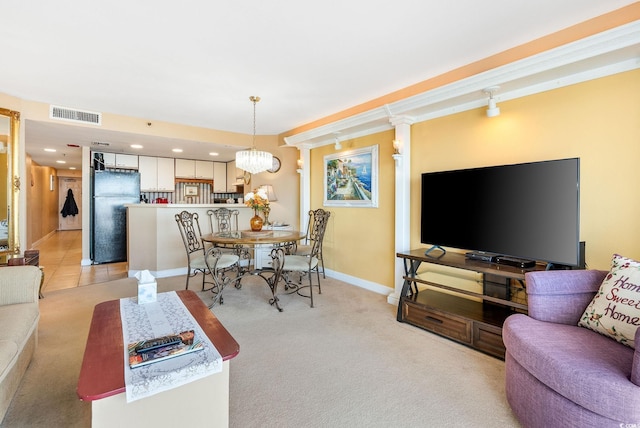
[345, 363]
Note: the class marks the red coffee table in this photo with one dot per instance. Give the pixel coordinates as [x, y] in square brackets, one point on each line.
[102, 376]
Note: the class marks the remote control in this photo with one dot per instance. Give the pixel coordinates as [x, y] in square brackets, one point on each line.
[150, 345]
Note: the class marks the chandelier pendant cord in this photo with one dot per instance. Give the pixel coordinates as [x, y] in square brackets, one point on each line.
[255, 101]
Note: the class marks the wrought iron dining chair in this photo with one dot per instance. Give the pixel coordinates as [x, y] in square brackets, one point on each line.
[316, 228]
[273, 274]
[189, 227]
[212, 258]
[225, 220]
[305, 265]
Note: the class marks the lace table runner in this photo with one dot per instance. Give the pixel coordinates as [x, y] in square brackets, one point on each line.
[168, 315]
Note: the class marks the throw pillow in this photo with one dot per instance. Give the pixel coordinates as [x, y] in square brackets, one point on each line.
[615, 309]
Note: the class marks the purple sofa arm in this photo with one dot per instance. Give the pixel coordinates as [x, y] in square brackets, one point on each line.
[561, 296]
[635, 367]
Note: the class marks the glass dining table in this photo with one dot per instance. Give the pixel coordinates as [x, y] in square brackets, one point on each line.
[261, 240]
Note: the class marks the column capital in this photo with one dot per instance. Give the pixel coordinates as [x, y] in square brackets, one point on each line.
[402, 120]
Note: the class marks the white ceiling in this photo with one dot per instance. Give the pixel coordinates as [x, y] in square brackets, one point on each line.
[196, 63]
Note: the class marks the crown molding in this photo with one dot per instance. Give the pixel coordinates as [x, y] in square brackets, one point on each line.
[607, 53]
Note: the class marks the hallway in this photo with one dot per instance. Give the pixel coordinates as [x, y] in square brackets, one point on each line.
[60, 257]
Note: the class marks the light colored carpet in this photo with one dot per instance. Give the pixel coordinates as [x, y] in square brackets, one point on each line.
[345, 363]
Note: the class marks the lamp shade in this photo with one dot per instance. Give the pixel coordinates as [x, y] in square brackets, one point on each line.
[271, 194]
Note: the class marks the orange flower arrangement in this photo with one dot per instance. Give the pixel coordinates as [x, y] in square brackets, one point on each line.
[258, 200]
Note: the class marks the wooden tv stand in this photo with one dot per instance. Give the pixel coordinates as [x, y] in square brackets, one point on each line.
[472, 322]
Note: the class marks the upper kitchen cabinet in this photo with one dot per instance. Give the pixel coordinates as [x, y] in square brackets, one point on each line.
[188, 168]
[185, 168]
[219, 177]
[156, 174]
[117, 160]
[204, 170]
[126, 161]
[234, 176]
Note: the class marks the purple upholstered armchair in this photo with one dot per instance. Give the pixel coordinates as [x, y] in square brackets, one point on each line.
[562, 375]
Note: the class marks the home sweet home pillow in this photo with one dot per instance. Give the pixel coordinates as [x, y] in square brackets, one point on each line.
[615, 309]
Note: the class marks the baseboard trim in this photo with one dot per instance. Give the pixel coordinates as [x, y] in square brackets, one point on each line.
[358, 282]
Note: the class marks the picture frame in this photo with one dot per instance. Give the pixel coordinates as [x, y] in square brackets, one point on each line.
[351, 178]
[191, 190]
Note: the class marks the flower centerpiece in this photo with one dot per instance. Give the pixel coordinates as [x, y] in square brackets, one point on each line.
[259, 201]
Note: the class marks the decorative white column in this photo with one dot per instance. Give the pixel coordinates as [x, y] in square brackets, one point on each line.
[305, 184]
[403, 200]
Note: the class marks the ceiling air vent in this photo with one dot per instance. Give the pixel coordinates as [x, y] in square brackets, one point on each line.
[73, 115]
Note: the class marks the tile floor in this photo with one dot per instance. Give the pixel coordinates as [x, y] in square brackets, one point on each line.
[61, 255]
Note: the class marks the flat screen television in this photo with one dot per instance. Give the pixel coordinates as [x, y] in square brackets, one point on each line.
[529, 211]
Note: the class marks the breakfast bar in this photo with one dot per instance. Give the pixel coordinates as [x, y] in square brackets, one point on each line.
[153, 239]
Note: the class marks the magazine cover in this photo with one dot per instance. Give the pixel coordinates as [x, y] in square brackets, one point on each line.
[162, 348]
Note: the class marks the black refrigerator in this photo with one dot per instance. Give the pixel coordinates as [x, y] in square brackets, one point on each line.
[110, 191]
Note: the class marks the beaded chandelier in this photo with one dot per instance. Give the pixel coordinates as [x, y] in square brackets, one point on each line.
[253, 160]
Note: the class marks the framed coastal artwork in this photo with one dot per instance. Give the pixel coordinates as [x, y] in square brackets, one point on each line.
[351, 178]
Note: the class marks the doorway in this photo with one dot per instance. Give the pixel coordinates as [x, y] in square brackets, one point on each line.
[70, 222]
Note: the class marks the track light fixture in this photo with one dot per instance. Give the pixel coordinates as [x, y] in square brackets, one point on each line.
[493, 110]
[337, 144]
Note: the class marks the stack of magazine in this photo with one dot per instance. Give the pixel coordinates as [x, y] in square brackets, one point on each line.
[162, 348]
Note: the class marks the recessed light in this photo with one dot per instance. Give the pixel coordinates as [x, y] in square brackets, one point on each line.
[177, 150]
[214, 154]
[61, 162]
[72, 167]
[50, 150]
[136, 146]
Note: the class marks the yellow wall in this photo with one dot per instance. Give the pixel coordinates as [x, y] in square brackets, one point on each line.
[597, 121]
[359, 241]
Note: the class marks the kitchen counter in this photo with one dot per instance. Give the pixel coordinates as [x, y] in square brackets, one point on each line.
[153, 238]
[189, 206]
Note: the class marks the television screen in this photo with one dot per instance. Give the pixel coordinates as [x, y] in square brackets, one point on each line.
[529, 211]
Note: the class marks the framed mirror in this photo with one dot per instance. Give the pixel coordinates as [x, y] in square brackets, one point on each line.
[9, 184]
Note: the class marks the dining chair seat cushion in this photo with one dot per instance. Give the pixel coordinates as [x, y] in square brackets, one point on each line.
[303, 250]
[225, 261]
[299, 263]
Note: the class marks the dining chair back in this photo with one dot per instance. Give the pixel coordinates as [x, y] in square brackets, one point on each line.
[190, 231]
[223, 220]
[189, 226]
[316, 228]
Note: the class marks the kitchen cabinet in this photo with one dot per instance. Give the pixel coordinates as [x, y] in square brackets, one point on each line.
[156, 174]
[109, 160]
[231, 176]
[204, 170]
[120, 160]
[185, 168]
[235, 177]
[189, 168]
[219, 177]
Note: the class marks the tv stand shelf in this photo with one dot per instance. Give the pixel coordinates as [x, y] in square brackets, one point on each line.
[474, 322]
